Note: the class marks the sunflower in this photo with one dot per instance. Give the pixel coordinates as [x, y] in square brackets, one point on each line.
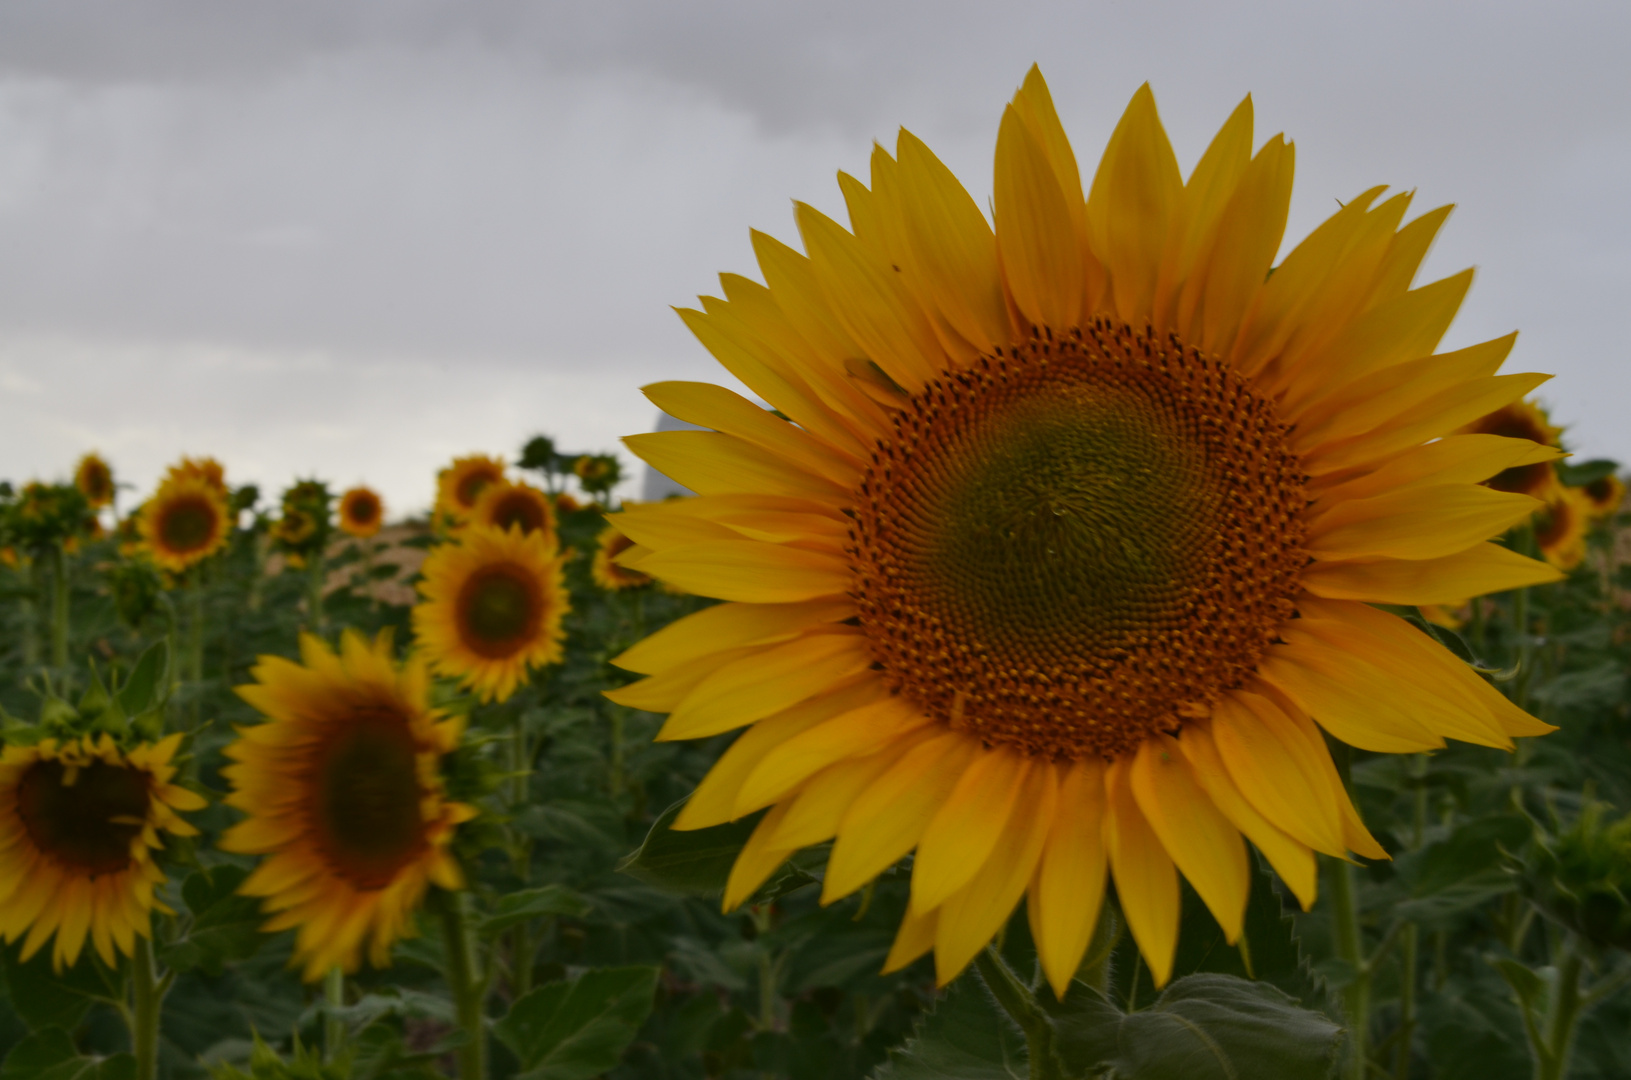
[361, 512]
[79, 822]
[206, 469]
[344, 794]
[566, 504]
[504, 505]
[1604, 495]
[186, 521]
[94, 479]
[1521, 420]
[492, 608]
[1065, 550]
[1561, 528]
[460, 484]
[607, 571]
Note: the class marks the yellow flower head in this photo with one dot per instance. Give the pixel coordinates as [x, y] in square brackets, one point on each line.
[606, 570]
[1604, 496]
[492, 608]
[206, 469]
[1067, 547]
[362, 512]
[186, 521]
[460, 484]
[94, 479]
[79, 823]
[566, 504]
[345, 799]
[505, 505]
[294, 527]
[1561, 528]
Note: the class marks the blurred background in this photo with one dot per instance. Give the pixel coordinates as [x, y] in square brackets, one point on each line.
[354, 239]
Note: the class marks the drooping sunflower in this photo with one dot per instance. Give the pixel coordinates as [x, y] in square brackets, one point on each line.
[94, 478]
[345, 799]
[186, 521]
[1066, 549]
[607, 572]
[520, 505]
[1522, 420]
[492, 608]
[79, 822]
[362, 512]
[460, 484]
[1604, 495]
[1561, 528]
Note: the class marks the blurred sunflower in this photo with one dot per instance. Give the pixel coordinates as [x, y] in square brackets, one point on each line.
[344, 794]
[566, 504]
[503, 505]
[1604, 495]
[206, 469]
[186, 521]
[1071, 533]
[607, 572]
[94, 478]
[79, 822]
[1521, 420]
[460, 484]
[492, 608]
[1561, 528]
[362, 512]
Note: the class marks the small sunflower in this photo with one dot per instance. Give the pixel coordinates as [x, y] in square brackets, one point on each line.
[607, 571]
[1522, 420]
[1066, 533]
[1561, 528]
[344, 794]
[504, 505]
[79, 822]
[362, 512]
[566, 504]
[186, 521]
[492, 608]
[94, 478]
[459, 485]
[206, 469]
[1605, 495]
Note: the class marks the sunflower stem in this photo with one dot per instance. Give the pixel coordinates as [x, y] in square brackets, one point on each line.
[1020, 1004]
[146, 1001]
[314, 590]
[59, 607]
[1351, 947]
[468, 986]
[194, 661]
[31, 614]
[1563, 1008]
[333, 1002]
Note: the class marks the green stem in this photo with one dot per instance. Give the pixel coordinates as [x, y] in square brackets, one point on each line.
[314, 591]
[59, 608]
[193, 662]
[1020, 1004]
[767, 968]
[1351, 947]
[333, 1026]
[615, 778]
[1552, 1060]
[1410, 947]
[468, 986]
[146, 1002]
[31, 616]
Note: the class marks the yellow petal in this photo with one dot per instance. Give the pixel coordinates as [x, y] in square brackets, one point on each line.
[860, 731]
[1241, 252]
[1405, 254]
[1206, 848]
[1353, 700]
[713, 464]
[728, 626]
[965, 830]
[662, 693]
[1034, 104]
[1206, 193]
[1146, 880]
[1486, 568]
[756, 862]
[1279, 772]
[766, 682]
[1425, 522]
[1135, 195]
[814, 814]
[1454, 459]
[711, 406]
[745, 570]
[1069, 889]
[1040, 251]
[914, 938]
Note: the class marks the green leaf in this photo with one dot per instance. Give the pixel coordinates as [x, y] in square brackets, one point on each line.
[518, 907]
[577, 1029]
[965, 1037]
[696, 862]
[1460, 872]
[1587, 472]
[224, 925]
[49, 1054]
[143, 689]
[44, 997]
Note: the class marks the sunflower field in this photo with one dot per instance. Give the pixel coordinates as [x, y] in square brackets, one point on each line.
[1113, 653]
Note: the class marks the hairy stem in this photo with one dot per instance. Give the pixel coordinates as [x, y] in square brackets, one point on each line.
[468, 986]
[1552, 1060]
[146, 1002]
[1020, 1004]
[1351, 947]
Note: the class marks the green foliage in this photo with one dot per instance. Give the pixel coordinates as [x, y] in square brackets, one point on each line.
[578, 1028]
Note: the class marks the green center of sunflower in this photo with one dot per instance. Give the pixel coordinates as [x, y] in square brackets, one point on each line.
[86, 817]
[188, 524]
[519, 509]
[499, 610]
[1070, 546]
[367, 798]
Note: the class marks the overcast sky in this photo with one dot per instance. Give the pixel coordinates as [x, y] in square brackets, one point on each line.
[353, 239]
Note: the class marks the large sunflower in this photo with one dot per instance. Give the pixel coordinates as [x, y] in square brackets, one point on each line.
[186, 521]
[94, 479]
[492, 608]
[460, 484]
[344, 794]
[1066, 549]
[505, 505]
[79, 822]
[362, 512]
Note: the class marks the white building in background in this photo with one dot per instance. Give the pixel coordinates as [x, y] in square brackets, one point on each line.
[654, 486]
